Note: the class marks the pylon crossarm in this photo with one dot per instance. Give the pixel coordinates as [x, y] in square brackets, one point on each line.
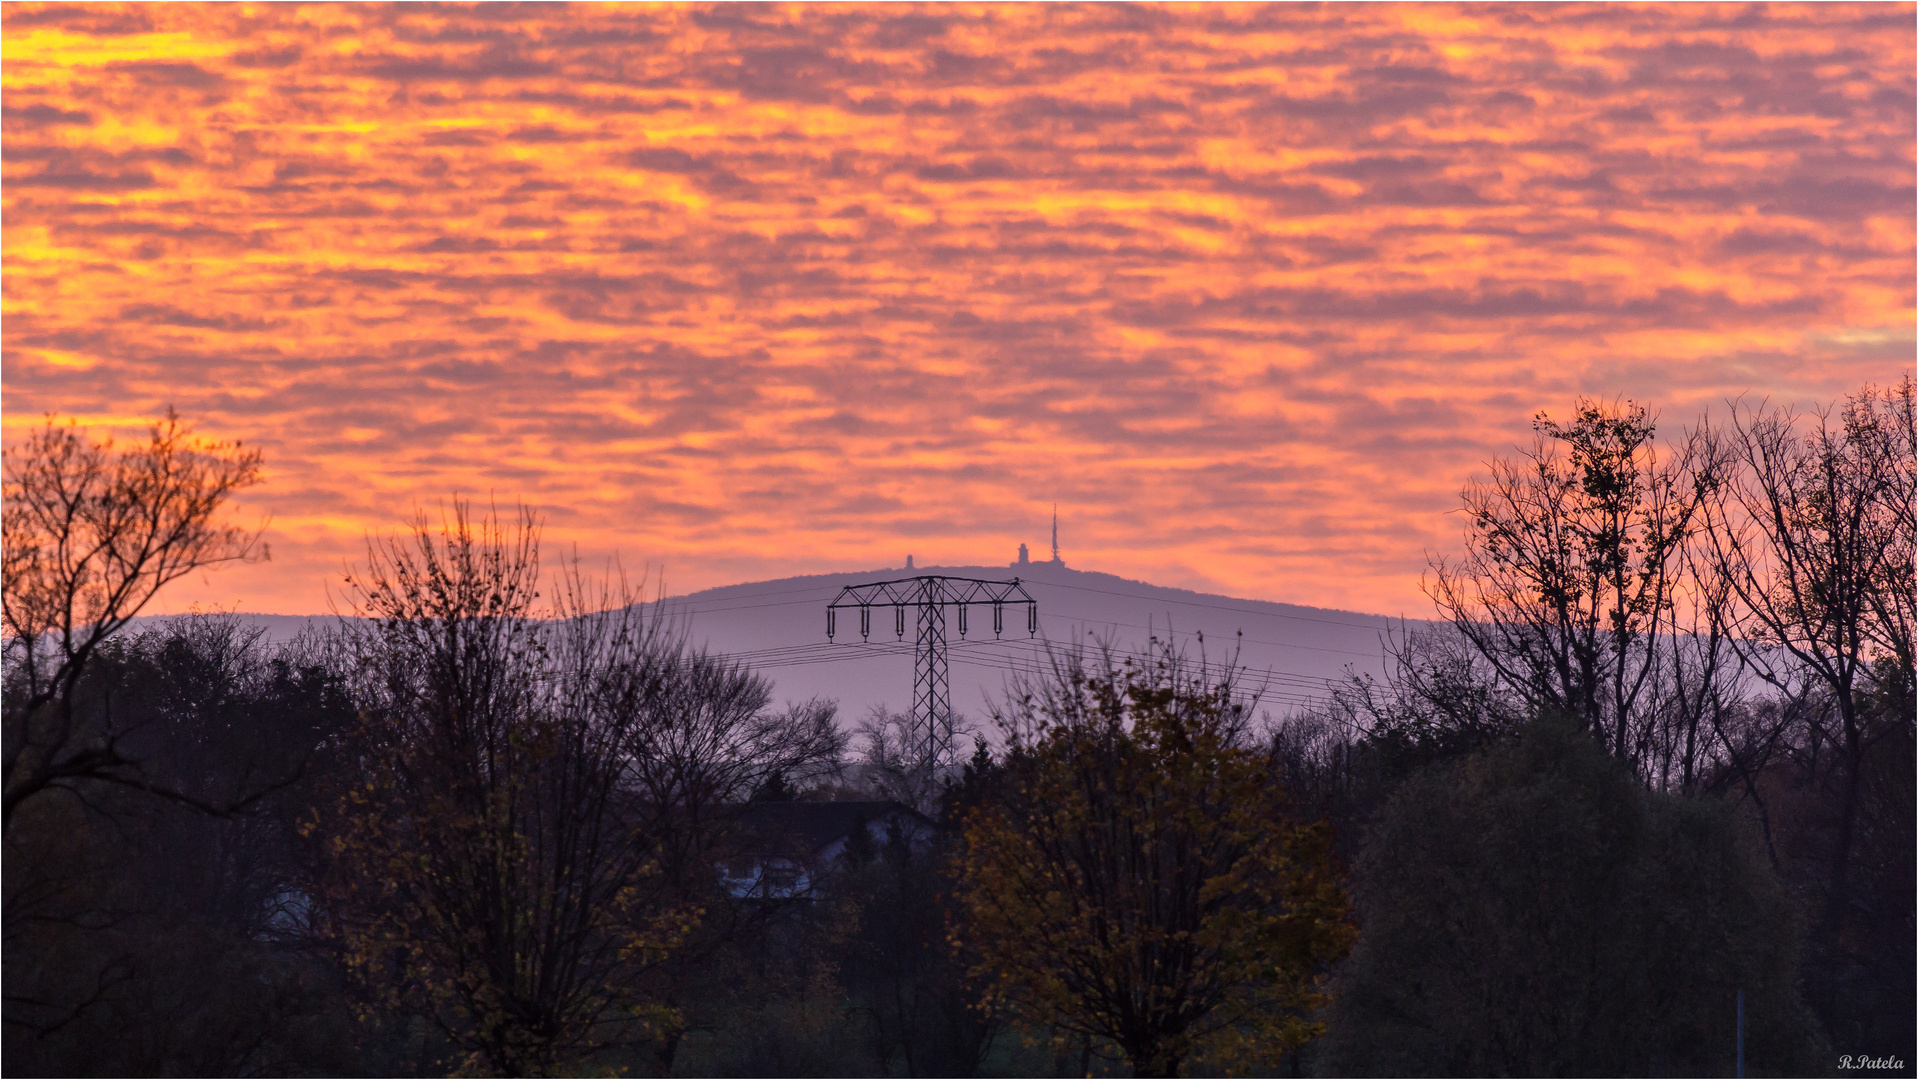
[913, 592]
[931, 590]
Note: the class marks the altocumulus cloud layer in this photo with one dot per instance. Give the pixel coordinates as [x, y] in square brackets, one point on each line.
[749, 291]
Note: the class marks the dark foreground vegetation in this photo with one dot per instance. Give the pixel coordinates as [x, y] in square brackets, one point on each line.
[1647, 784]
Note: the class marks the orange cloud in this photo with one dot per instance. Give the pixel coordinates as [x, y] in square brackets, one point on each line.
[744, 291]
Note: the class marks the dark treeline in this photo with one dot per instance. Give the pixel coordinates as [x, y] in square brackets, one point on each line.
[1649, 780]
[1723, 624]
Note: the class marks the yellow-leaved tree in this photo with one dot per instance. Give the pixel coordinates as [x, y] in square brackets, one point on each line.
[524, 830]
[1136, 879]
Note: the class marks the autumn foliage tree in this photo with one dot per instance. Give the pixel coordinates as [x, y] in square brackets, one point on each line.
[475, 863]
[520, 838]
[1136, 879]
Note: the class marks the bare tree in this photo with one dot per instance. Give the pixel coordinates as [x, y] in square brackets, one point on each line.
[1700, 720]
[1575, 561]
[1440, 695]
[708, 740]
[91, 534]
[888, 765]
[1814, 542]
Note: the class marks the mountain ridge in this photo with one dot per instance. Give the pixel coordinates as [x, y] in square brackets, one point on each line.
[778, 627]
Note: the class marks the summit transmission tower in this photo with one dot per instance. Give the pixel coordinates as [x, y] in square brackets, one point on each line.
[929, 597]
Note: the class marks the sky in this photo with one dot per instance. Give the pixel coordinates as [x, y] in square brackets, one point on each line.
[742, 292]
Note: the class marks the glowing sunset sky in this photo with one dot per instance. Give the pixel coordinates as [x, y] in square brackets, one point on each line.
[748, 291]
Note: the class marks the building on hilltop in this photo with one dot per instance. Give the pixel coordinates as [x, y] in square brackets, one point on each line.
[1025, 559]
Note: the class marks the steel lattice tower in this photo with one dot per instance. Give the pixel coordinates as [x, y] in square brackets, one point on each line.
[929, 596]
[932, 688]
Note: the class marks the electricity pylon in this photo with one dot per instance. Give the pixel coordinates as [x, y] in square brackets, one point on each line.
[929, 597]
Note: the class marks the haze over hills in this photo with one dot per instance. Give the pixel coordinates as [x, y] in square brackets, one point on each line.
[779, 627]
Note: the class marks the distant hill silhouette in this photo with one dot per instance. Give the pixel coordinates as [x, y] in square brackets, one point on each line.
[779, 627]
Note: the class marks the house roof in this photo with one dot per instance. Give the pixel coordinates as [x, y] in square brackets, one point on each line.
[813, 825]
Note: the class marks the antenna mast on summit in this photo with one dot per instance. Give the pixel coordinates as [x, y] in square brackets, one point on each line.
[930, 596]
[1055, 532]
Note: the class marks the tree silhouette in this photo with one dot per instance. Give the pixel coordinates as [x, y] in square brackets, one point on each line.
[1531, 910]
[1136, 878]
[90, 535]
[537, 790]
[1814, 541]
[1570, 584]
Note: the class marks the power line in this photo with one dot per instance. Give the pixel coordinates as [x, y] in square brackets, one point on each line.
[1210, 607]
[1094, 619]
[1033, 664]
[1027, 659]
[1190, 633]
[695, 610]
[1023, 652]
[802, 655]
